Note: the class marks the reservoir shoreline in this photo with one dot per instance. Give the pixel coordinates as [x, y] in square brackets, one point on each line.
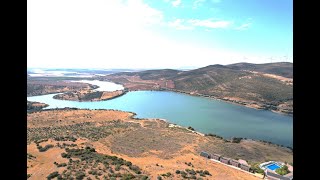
[170, 124]
[238, 103]
[132, 103]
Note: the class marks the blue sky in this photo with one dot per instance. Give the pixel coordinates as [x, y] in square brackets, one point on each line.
[158, 33]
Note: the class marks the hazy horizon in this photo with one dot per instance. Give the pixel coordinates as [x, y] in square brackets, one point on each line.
[128, 68]
[146, 34]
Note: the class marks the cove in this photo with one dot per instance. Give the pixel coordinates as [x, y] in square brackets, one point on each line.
[203, 114]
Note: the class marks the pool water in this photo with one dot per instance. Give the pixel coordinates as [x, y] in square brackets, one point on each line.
[273, 167]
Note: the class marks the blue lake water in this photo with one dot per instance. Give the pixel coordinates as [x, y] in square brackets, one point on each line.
[203, 114]
[103, 85]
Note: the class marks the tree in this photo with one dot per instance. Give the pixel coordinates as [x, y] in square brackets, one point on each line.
[53, 175]
[283, 170]
[80, 175]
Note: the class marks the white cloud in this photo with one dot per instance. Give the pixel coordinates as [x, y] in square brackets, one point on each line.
[176, 3]
[178, 24]
[141, 12]
[110, 34]
[215, 1]
[197, 3]
[84, 33]
[188, 24]
[210, 24]
[244, 26]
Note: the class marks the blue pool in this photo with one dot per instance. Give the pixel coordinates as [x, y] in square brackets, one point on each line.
[273, 167]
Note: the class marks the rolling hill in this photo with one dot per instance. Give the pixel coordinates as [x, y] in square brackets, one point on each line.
[282, 69]
[264, 86]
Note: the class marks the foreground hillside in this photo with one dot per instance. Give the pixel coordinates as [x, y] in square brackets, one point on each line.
[262, 86]
[74, 143]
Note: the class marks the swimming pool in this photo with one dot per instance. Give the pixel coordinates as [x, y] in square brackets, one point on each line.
[273, 167]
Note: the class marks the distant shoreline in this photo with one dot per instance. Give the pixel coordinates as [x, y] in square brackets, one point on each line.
[126, 90]
[220, 99]
[102, 96]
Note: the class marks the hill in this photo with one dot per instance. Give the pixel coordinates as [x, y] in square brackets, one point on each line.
[108, 144]
[47, 85]
[264, 86]
[282, 69]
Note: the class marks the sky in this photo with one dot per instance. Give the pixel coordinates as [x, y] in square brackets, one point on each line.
[153, 34]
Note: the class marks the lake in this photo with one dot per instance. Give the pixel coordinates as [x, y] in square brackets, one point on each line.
[203, 114]
[103, 85]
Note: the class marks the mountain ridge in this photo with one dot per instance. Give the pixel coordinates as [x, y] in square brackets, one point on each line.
[263, 86]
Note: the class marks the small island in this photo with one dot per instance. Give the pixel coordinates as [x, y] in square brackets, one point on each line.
[89, 95]
[34, 106]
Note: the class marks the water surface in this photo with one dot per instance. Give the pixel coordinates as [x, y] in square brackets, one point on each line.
[203, 114]
[103, 85]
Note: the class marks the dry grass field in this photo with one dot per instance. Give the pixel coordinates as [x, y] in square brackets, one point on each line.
[110, 144]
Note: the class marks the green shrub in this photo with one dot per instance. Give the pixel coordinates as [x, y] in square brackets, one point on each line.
[192, 172]
[236, 140]
[117, 168]
[65, 138]
[59, 177]
[128, 163]
[136, 169]
[65, 155]
[93, 172]
[53, 175]
[127, 177]
[144, 177]
[30, 156]
[283, 170]
[40, 141]
[92, 95]
[80, 175]
[214, 135]
[61, 165]
[183, 173]
[206, 172]
[43, 149]
[255, 168]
